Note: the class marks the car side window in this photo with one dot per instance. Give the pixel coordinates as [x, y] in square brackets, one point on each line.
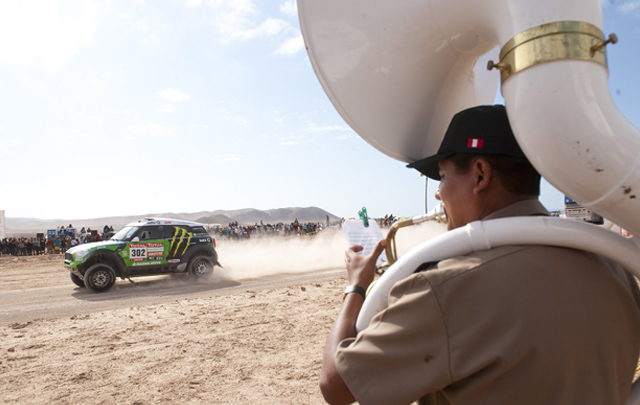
[171, 232]
[200, 231]
[151, 232]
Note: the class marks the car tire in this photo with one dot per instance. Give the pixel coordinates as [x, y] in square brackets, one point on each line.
[99, 277]
[76, 280]
[200, 266]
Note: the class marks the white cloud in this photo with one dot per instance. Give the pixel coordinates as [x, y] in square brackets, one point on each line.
[289, 7]
[227, 116]
[142, 25]
[236, 20]
[166, 108]
[70, 137]
[630, 7]
[268, 28]
[150, 130]
[313, 127]
[50, 32]
[240, 20]
[229, 157]
[291, 46]
[287, 143]
[224, 114]
[193, 3]
[232, 18]
[173, 95]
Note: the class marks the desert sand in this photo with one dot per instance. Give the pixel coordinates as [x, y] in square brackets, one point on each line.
[249, 347]
[252, 347]
[239, 340]
[245, 347]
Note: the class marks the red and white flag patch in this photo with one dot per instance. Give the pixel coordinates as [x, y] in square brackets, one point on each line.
[475, 143]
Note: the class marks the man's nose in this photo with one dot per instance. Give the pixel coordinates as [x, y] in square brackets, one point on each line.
[438, 194]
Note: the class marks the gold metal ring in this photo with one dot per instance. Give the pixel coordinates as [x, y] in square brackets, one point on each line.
[563, 40]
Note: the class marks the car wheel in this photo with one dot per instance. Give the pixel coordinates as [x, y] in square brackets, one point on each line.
[200, 266]
[76, 280]
[99, 277]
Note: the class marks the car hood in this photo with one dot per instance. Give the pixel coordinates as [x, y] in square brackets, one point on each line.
[94, 245]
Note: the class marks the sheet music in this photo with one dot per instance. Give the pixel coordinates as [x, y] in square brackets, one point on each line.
[367, 237]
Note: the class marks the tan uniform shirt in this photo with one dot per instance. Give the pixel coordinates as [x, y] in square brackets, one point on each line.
[511, 325]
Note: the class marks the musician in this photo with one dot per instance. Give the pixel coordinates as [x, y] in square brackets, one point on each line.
[511, 325]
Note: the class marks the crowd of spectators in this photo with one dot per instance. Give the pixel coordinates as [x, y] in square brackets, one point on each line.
[22, 246]
[238, 232]
[57, 243]
[67, 237]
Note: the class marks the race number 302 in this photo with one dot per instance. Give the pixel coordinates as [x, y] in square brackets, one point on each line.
[138, 252]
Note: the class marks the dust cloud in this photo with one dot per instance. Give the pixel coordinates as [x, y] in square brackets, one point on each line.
[410, 237]
[259, 257]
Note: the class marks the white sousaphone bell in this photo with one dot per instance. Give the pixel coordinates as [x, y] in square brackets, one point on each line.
[397, 72]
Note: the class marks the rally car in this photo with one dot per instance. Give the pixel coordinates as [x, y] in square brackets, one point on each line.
[149, 247]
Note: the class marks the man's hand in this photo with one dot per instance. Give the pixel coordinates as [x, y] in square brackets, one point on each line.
[360, 270]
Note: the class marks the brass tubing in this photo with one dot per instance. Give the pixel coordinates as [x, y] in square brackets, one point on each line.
[390, 249]
[437, 214]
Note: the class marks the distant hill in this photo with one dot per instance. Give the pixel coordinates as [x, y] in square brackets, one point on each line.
[215, 219]
[246, 216]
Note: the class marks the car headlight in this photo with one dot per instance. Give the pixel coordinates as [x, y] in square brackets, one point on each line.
[80, 253]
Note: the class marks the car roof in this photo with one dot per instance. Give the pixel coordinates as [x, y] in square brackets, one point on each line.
[163, 221]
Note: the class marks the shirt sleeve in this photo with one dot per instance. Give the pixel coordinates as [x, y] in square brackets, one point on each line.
[404, 353]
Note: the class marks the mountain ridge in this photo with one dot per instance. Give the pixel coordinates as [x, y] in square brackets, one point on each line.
[244, 216]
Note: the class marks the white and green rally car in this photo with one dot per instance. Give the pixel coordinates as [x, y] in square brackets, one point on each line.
[149, 247]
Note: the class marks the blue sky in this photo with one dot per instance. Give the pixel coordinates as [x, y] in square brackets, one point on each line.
[135, 107]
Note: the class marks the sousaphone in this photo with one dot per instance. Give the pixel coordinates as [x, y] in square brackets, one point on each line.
[397, 72]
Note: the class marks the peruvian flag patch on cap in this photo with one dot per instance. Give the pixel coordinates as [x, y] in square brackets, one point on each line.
[475, 143]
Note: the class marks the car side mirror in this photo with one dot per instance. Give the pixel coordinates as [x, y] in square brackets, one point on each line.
[136, 239]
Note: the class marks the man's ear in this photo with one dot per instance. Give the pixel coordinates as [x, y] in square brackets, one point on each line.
[483, 174]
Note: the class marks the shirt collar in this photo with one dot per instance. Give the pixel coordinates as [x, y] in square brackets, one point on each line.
[521, 208]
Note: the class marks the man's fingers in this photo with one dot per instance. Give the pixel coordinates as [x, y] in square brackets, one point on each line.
[379, 248]
[351, 253]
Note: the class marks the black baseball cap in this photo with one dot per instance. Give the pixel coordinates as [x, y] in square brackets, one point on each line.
[483, 130]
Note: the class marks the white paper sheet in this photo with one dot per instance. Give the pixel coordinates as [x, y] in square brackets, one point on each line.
[367, 237]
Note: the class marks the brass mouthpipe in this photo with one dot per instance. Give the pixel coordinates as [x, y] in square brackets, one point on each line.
[437, 214]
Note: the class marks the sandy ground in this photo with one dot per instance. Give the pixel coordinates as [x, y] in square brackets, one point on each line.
[252, 347]
[231, 346]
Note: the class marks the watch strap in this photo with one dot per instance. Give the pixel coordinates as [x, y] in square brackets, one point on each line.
[354, 289]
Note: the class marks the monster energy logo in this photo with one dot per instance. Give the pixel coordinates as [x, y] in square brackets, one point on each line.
[181, 235]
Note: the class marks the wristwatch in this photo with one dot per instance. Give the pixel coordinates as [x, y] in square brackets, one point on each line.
[354, 289]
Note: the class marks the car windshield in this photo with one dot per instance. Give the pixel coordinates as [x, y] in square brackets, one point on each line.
[125, 233]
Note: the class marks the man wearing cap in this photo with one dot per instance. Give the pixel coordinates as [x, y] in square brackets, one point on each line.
[511, 325]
